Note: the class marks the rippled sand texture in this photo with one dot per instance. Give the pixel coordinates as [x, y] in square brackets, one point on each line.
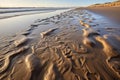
[72, 47]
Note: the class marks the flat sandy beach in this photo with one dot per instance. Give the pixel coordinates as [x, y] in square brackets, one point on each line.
[109, 12]
[79, 44]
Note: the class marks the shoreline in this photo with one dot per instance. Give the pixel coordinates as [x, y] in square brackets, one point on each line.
[22, 14]
[69, 46]
[10, 14]
[26, 9]
[16, 24]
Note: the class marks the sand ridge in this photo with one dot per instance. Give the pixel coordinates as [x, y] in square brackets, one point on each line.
[70, 47]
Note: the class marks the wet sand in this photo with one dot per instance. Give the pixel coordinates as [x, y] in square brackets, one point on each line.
[75, 45]
[109, 12]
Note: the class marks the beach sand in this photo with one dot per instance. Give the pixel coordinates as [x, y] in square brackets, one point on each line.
[109, 12]
[75, 45]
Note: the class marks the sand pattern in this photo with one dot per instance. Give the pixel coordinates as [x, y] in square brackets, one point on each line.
[72, 49]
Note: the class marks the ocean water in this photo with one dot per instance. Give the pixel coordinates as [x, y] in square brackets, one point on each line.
[13, 22]
[16, 22]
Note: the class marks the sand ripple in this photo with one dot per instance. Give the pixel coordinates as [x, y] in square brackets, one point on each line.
[76, 52]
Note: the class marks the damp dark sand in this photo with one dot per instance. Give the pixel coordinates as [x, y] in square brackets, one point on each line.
[109, 12]
[75, 45]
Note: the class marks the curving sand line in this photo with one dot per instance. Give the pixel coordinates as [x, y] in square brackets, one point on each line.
[9, 55]
[3, 76]
[20, 41]
[84, 24]
[33, 65]
[43, 34]
[89, 42]
[50, 73]
[89, 32]
[32, 62]
[107, 48]
[87, 25]
[113, 56]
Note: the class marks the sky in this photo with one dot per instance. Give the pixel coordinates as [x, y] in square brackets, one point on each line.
[49, 3]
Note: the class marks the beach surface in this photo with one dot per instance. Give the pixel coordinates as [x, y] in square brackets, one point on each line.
[79, 44]
[111, 13]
